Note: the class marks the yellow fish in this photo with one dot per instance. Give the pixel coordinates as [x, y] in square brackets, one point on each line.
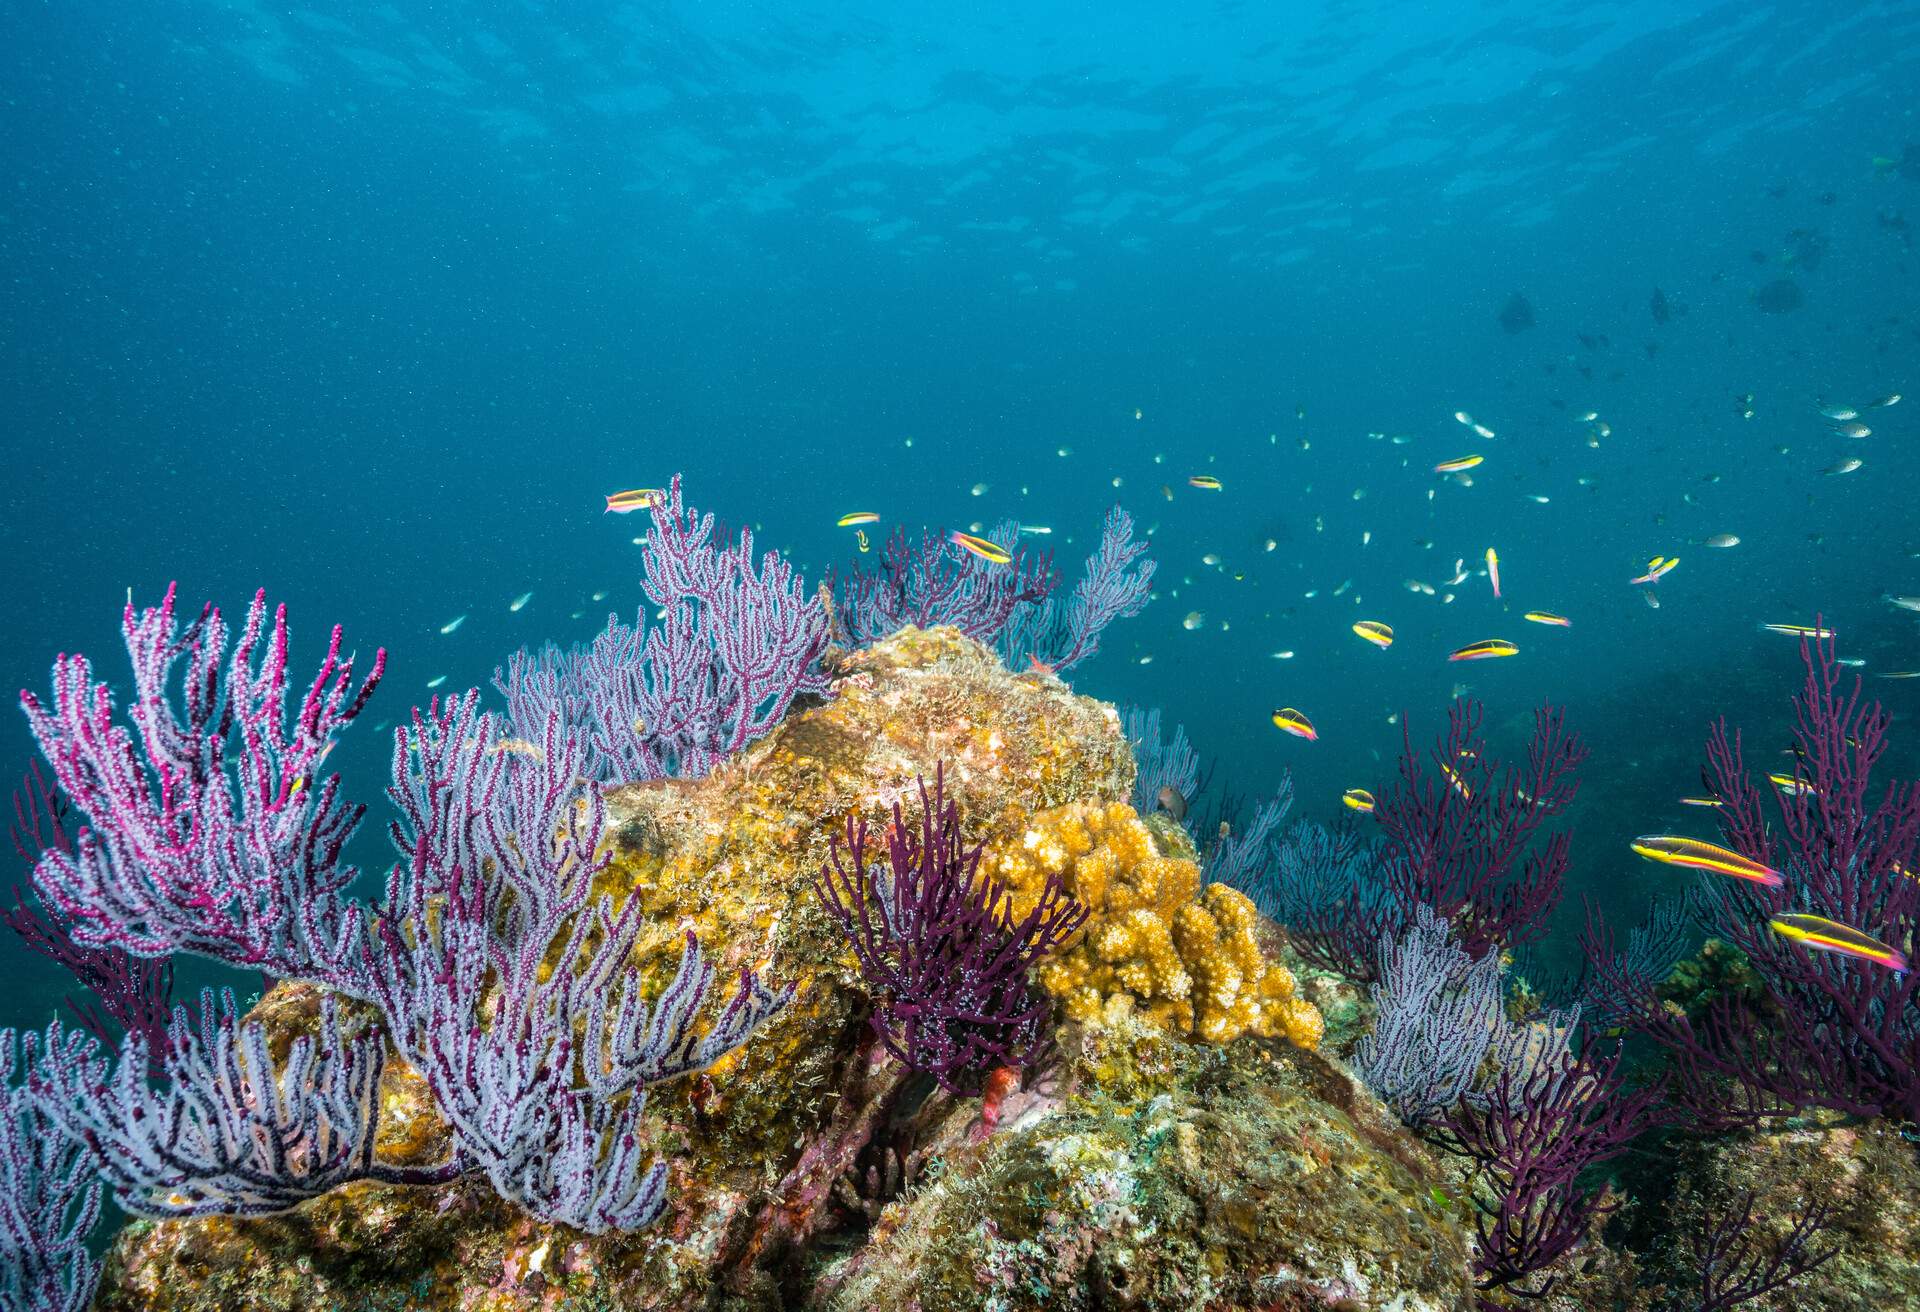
[1791, 786]
[989, 551]
[1206, 482]
[860, 536]
[1380, 635]
[1669, 849]
[1832, 936]
[1486, 649]
[851, 518]
[1359, 799]
[1548, 617]
[1799, 630]
[1293, 722]
[634, 498]
[1455, 466]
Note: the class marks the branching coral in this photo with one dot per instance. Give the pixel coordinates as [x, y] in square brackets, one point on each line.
[938, 943]
[207, 833]
[1155, 940]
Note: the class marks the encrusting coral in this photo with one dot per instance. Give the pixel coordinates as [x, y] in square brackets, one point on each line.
[1188, 958]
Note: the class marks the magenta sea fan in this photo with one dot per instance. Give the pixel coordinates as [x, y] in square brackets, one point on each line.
[940, 947]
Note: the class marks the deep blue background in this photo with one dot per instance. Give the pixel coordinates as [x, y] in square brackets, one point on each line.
[372, 305]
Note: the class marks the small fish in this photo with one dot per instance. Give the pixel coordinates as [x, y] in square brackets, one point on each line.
[1211, 558]
[635, 498]
[1539, 499]
[1138, 414]
[1194, 620]
[519, 602]
[1454, 780]
[1283, 655]
[1166, 491]
[1656, 568]
[599, 596]
[1846, 466]
[853, 517]
[1838, 413]
[1456, 465]
[1701, 801]
[991, 552]
[1904, 603]
[1900, 674]
[1461, 416]
[1483, 430]
[1672, 850]
[435, 683]
[1881, 403]
[1041, 529]
[1832, 936]
[1855, 429]
[1799, 630]
[1169, 799]
[1375, 632]
[1724, 540]
[1548, 617]
[1291, 721]
[1652, 599]
[454, 623]
[1357, 799]
[1205, 482]
[517, 747]
[1790, 786]
[1493, 572]
[980, 489]
[860, 540]
[1588, 417]
[1485, 649]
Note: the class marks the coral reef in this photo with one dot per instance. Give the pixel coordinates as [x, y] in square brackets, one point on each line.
[1186, 957]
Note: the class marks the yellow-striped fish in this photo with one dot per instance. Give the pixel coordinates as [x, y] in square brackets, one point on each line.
[1294, 722]
[1799, 630]
[1485, 649]
[1375, 632]
[1205, 482]
[1357, 799]
[853, 517]
[860, 537]
[987, 550]
[634, 498]
[1548, 617]
[1832, 936]
[1672, 850]
[1456, 465]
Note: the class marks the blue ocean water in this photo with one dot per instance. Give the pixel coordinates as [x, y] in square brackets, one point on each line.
[371, 305]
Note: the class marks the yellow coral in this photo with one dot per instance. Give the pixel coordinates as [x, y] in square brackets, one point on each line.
[1155, 943]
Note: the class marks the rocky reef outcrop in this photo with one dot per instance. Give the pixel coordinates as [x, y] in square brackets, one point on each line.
[1182, 1145]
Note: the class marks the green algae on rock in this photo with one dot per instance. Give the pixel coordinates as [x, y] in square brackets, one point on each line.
[1173, 1175]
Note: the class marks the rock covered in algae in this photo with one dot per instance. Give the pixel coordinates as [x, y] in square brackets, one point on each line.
[733, 857]
[1172, 1175]
[1189, 958]
[1869, 1173]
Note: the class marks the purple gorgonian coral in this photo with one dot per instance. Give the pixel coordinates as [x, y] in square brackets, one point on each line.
[940, 947]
